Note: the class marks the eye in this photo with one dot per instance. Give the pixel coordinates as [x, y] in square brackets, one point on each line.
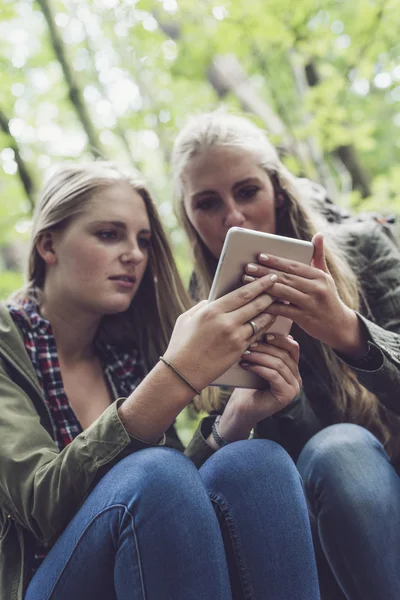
[107, 235]
[144, 243]
[248, 192]
[207, 204]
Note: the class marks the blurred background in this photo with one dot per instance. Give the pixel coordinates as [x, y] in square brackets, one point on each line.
[81, 79]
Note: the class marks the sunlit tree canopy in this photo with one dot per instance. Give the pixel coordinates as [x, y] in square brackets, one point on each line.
[118, 78]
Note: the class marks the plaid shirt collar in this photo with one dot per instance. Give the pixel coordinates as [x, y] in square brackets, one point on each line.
[123, 371]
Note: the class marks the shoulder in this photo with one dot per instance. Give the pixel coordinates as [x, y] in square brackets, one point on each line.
[365, 232]
[362, 241]
[11, 334]
[7, 323]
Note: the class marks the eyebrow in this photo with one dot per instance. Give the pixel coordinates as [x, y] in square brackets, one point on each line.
[237, 184]
[119, 224]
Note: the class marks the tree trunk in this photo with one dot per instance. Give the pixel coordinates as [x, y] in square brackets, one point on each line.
[74, 91]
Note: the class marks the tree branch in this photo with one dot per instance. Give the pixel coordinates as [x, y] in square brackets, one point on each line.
[23, 170]
[74, 91]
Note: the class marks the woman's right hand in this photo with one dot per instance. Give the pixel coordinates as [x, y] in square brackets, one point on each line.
[211, 336]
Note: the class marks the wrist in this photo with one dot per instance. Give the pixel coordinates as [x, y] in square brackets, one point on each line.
[191, 372]
[211, 442]
[216, 440]
[354, 342]
[154, 405]
[233, 427]
[184, 389]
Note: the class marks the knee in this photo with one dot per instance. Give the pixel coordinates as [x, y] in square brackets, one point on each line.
[339, 456]
[153, 475]
[249, 464]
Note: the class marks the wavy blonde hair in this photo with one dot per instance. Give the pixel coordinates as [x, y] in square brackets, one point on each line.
[161, 297]
[349, 400]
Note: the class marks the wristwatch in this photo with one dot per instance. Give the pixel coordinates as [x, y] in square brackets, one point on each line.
[219, 440]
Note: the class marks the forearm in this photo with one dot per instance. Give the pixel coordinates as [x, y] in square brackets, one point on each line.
[154, 405]
[352, 342]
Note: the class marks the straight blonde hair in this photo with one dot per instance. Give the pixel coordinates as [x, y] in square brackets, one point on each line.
[148, 322]
[349, 400]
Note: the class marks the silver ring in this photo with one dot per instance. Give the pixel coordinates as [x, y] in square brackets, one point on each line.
[254, 327]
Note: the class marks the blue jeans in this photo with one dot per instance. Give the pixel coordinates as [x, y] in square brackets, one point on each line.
[148, 531]
[354, 495]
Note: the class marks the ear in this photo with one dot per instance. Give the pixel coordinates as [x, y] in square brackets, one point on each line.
[45, 248]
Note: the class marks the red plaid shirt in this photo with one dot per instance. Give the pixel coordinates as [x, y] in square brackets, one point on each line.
[123, 372]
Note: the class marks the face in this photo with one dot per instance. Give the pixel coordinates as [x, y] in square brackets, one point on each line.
[224, 187]
[98, 261]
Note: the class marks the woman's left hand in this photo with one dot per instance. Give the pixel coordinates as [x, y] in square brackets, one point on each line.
[312, 301]
[276, 361]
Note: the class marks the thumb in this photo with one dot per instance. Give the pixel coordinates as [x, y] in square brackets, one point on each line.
[318, 260]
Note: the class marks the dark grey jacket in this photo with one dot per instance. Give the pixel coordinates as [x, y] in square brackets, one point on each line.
[376, 261]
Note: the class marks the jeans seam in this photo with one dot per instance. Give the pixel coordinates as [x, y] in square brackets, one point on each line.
[220, 501]
[96, 516]
[137, 552]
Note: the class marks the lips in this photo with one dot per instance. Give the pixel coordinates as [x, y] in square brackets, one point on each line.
[127, 278]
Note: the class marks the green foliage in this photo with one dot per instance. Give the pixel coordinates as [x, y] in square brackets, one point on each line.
[143, 66]
[9, 283]
[186, 424]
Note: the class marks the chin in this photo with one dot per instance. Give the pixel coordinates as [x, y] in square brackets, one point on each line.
[115, 305]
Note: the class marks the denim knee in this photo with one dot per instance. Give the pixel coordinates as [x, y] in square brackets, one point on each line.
[150, 477]
[250, 463]
[341, 461]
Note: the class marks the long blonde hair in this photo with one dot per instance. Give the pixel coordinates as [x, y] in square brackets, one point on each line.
[349, 400]
[161, 297]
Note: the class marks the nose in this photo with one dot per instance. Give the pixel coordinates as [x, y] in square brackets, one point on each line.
[132, 254]
[234, 216]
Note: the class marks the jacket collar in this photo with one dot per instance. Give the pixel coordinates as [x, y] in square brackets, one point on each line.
[12, 348]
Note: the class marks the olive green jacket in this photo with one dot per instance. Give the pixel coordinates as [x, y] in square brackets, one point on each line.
[40, 487]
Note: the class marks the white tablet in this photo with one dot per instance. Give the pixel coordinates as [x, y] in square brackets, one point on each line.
[242, 246]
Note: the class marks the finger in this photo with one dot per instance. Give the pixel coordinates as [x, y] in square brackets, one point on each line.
[281, 343]
[245, 294]
[319, 261]
[294, 281]
[271, 362]
[290, 311]
[261, 324]
[276, 381]
[283, 294]
[248, 279]
[284, 265]
[277, 359]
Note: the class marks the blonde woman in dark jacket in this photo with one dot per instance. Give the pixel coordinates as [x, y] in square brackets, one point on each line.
[346, 313]
[91, 507]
